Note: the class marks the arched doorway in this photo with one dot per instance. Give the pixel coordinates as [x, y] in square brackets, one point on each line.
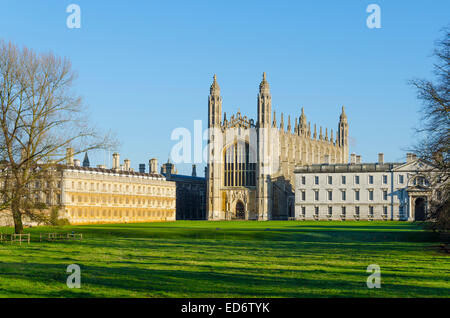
[240, 210]
[419, 209]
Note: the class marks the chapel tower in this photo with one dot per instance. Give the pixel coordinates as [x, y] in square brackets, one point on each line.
[214, 151]
[343, 136]
[264, 127]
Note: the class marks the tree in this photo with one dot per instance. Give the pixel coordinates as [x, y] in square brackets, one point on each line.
[40, 116]
[434, 144]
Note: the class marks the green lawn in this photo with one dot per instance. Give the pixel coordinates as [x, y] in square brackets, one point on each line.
[229, 259]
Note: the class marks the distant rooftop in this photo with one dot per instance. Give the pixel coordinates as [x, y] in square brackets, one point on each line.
[115, 171]
[174, 177]
[348, 167]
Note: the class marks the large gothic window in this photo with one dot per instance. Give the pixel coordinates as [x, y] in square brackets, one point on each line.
[239, 166]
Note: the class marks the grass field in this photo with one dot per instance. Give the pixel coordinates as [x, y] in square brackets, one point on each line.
[229, 259]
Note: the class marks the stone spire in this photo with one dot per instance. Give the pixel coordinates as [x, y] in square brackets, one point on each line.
[282, 122]
[315, 132]
[289, 128]
[343, 117]
[303, 117]
[296, 126]
[215, 88]
[264, 104]
[302, 123]
[86, 160]
[274, 124]
[264, 85]
[320, 133]
[214, 105]
[326, 134]
[343, 129]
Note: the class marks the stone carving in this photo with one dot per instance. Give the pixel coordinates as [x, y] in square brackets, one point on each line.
[238, 122]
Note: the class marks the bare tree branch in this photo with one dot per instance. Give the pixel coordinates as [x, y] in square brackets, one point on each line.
[40, 116]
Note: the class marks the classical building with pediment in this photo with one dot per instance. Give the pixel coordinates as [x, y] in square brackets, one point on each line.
[250, 171]
[398, 191]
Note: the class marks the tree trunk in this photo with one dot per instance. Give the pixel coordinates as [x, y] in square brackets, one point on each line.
[17, 217]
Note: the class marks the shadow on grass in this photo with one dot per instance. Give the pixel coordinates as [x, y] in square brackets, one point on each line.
[212, 282]
[274, 231]
[297, 235]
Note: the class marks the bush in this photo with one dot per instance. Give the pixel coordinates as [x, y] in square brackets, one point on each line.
[54, 219]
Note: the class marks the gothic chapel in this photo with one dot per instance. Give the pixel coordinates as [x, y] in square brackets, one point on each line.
[250, 171]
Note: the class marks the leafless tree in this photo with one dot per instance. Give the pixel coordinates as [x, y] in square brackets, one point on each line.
[434, 131]
[40, 116]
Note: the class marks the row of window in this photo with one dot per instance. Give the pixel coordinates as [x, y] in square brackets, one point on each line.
[344, 211]
[50, 198]
[122, 188]
[120, 200]
[118, 213]
[356, 196]
[370, 179]
[47, 184]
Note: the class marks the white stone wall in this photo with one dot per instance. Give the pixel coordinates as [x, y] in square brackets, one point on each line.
[394, 190]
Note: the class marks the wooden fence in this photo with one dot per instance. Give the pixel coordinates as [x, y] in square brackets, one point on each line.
[60, 237]
[26, 238]
[15, 238]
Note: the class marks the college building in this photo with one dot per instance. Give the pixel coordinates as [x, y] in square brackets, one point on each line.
[84, 194]
[116, 195]
[364, 191]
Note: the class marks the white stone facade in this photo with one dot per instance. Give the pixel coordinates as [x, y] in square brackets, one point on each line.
[367, 191]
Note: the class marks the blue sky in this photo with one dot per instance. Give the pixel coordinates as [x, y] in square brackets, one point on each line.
[145, 67]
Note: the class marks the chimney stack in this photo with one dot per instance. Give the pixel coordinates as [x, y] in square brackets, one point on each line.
[352, 159]
[380, 158]
[410, 157]
[153, 163]
[76, 162]
[358, 159]
[116, 161]
[69, 157]
[127, 164]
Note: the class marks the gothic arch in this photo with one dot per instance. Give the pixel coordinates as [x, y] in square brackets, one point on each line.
[239, 210]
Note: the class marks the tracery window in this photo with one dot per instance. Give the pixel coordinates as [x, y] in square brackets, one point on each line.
[239, 165]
